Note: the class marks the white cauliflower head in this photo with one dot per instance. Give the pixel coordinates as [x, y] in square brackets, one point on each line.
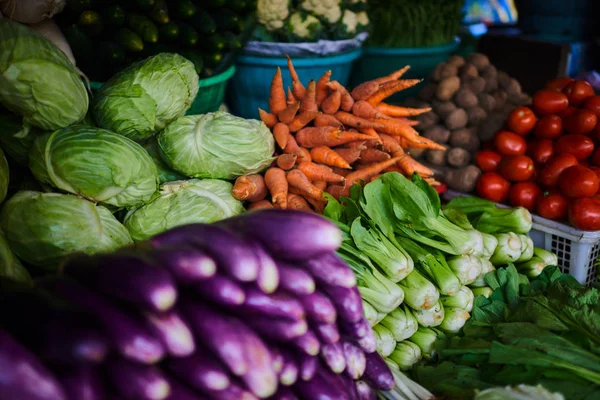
[362, 18]
[329, 10]
[349, 21]
[304, 26]
[272, 13]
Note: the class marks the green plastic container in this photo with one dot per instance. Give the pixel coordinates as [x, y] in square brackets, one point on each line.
[381, 61]
[211, 92]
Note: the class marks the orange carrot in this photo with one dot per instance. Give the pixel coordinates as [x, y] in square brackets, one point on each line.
[327, 156]
[277, 184]
[390, 145]
[269, 119]
[297, 86]
[291, 146]
[394, 168]
[409, 166]
[297, 179]
[389, 89]
[277, 100]
[260, 205]
[328, 120]
[320, 184]
[318, 205]
[397, 111]
[322, 90]
[393, 76]
[281, 133]
[425, 143]
[316, 172]
[340, 171]
[349, 155]
[332, 102]
[309, 101]
[359, 145]
[296, 202]
[290, 97]
[286, 161]
[365, 110]
[364, 90]
[250, 187]
[368, 156]
[304, 155]
[373, 169]
[302, 120]
[375, 177]
[356, 122]
[327, 136]
[288, 115]
[335, 191]
[347, 100]
[396, 128]
[404, 120]
[373, 133]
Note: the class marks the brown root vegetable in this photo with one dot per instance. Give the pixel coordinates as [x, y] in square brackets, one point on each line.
[480, 61]
[447, 88]
[487, 102]
[476, 115]
[491, 85]
[489, 72]
[416, 153]
[493, 124]
[428, 92]
[468, 71]
[428, 120]
[463, 179]
[501, 99]
[447, 71]
[465, 138]
[514, 87]
[458, 157]
[465, 98]
[456, 119]
[503, 79]
[435, 74]
[437, 157]
[438, 134]
[457, 61]
[476, 85]
[519, 99]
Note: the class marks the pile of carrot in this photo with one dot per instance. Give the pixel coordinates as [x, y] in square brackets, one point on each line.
[329, 139]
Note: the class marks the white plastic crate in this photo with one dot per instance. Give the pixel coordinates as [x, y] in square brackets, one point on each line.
[577, 250]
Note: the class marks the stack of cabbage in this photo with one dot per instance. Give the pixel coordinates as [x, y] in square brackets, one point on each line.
[419, 266]
[132, 155]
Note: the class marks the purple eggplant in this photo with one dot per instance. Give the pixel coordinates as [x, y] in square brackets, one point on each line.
[174, 333]
[277, 329]
[200, 371]
[136, 381]
[284, 393]
[377, 373]
[221, 290]
[82, 383]
[327, 333]
[289, 373]
[369, 342]
[348, 385]
[268, 273]
[308, 343]
[131, 337]
[355, 330]
[289, 235]
[347, 302]
[233, 391]
[333, 355]
[230, 252]
[321, 387]
[355, 360]
[308, 366]
[68, 342]
[319, 308]
[187, 264]
[277, 357]
[295, 280]
[275, 305]
[22, 375]
[365, 391]
[180, 392]
[126, 277]
[329, 269]
[261, 378]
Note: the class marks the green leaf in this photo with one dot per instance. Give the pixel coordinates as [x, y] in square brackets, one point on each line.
[432, 195]
[333, 209]
[377, 204]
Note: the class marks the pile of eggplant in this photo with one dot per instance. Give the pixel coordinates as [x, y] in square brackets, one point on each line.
[254, 307]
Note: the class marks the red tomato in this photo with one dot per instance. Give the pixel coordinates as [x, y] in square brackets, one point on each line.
[489, 146]
[595, 159]
[596, 171]
[558, 83]
[580, 122]
[493, 187]
[579, 145]
[540, 151]
[510, 144]
[593, 104]
[521, 120]
[578, 91]
[516, 168]
[524, 194]
[548, 127]
[567, 112]
[549, 102]
[578, 181]
[553, 206]
[488, 161]
[548, 176]
[584, 214]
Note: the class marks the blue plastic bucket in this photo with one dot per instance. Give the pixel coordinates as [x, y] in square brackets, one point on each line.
[381, 61]
[250, 86]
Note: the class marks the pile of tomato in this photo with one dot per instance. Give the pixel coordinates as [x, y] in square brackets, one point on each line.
[547, 159]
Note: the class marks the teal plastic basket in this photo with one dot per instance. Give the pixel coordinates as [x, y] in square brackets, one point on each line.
[250, 87]
[381, 61]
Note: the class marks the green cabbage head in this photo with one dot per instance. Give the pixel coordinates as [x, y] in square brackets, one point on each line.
[181, 203]
[10, 265]
[43, 228]
[37, 80]
[217, 145]
[14, 140]
[99, 165]
[165, 173]
[4, 176]
[143, 98]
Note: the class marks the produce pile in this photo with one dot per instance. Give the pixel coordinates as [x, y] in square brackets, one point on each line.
[470, 99]
[105, 38]
[547, 158]
[329, 139]
[543, 331]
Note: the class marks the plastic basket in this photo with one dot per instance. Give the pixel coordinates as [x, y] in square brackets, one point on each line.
[250, 87]
[577, 250]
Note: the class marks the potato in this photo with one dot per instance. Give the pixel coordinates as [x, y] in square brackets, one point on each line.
[447, 88]
[465, 138]
[456, 119]
[428, 120]
[519, 99]
[436, 157]
[476, 85]
[462, 179]
[428, 92]
[489, 72]
[493, 124]
[501, 99]
[491, 85]
[456, 60]
[503, 79]
[416, 153]
[443, 108]
[465, 98]
[486, 101]
[448, 70]
[468, 71]
[438, 134]
[435, 74]
[480, 61]
[476, 115]
[514, 87]
[458, 157]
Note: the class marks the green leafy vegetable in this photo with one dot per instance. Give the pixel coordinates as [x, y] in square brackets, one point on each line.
[405, 355]
[401, 322]
[10, 266]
